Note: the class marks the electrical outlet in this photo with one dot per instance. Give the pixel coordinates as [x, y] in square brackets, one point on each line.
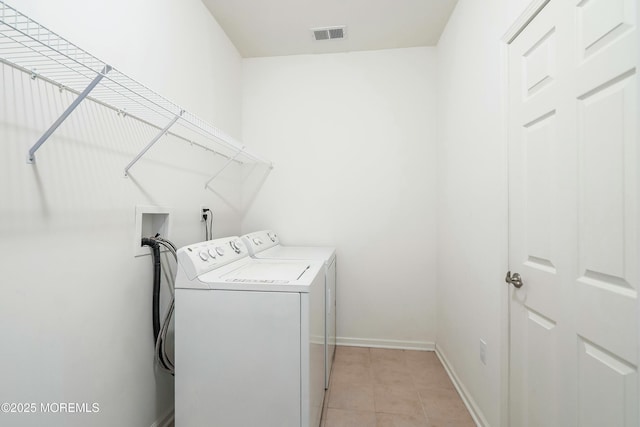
[204, 211]
[483, 352]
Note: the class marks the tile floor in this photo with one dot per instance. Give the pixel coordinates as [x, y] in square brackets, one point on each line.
[391, 388]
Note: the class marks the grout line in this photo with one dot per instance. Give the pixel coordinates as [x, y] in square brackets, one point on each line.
[422, 405]
[371, 378]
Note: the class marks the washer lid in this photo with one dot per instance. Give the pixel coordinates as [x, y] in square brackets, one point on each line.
[268, 272]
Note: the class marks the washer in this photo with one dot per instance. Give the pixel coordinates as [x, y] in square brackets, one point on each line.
[265, 244]
[249, 338]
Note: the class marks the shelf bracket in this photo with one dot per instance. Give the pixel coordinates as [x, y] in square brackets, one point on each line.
[206, 184]
[153, 141]
[32, 152]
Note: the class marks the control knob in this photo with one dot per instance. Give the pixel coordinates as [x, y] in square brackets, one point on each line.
[235, 245]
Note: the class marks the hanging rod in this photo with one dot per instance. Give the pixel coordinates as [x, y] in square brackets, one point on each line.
[27, 45]
[34, 76]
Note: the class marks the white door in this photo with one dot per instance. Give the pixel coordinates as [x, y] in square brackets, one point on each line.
[574, 217]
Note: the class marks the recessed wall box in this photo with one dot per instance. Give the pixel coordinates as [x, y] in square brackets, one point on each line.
[150, 220]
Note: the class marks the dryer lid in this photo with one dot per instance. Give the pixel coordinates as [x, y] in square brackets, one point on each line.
[320, 253]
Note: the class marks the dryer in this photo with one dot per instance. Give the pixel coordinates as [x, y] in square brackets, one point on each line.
[249, 338]
[265, 244]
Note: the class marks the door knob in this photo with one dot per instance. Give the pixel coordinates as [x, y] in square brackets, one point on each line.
[515, 280]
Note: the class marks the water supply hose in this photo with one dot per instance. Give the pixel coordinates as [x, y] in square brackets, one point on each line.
[155, 247]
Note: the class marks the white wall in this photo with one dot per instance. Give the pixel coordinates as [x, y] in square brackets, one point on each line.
[75, 311]
[352, 137]
[472, 210]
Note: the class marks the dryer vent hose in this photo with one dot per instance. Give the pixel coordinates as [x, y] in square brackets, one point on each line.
[155, 247]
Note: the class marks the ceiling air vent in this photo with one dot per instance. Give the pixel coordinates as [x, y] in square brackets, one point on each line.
[329, 33]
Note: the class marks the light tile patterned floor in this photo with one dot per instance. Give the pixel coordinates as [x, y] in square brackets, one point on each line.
[373, 387]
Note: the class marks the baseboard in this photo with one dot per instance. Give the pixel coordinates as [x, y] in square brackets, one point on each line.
[166, 420]
[397, 344]
[471, 405]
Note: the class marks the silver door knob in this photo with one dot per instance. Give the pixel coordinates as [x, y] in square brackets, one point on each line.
[515, 280]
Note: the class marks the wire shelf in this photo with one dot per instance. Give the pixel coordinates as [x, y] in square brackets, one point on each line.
[32, 48]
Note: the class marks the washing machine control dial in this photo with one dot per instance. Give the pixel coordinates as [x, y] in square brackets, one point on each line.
[272, 236]
[236, 246]
[204, 255]
[220, 250]
[257, 241]
[212, 252]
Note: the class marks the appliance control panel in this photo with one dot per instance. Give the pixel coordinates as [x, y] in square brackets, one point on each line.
[259, 241]
[199, 258]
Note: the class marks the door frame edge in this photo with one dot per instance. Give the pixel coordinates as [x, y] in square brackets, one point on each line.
[516, 27]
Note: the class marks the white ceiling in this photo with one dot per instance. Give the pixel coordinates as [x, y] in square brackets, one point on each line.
[282, 27]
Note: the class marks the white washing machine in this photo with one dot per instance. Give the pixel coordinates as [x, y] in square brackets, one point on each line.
[265, 244]
[249, 338]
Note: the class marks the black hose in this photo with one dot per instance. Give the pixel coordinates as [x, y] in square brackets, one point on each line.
[156, 285]
[161, 240]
